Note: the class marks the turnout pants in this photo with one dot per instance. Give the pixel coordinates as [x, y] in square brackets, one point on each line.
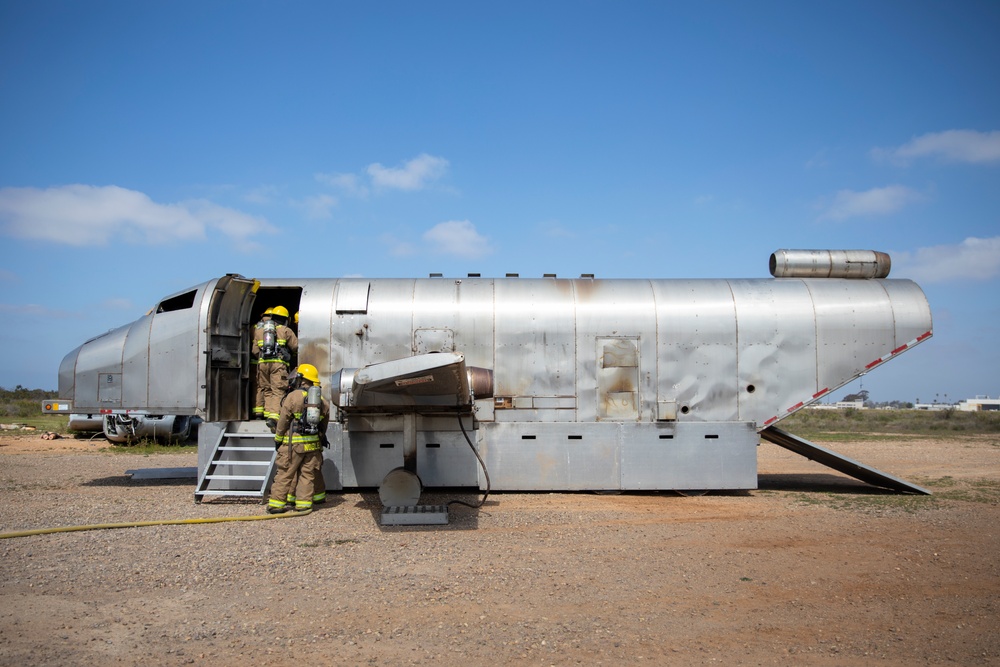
[298, 478]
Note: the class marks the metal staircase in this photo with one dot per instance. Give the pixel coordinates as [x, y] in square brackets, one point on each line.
[242, 462]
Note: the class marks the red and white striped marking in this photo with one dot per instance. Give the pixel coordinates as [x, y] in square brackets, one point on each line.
[881, 360]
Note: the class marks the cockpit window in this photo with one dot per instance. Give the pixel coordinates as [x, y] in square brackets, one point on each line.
[179, 302]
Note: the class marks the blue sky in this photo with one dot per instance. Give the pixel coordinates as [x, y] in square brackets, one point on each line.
[146, 147]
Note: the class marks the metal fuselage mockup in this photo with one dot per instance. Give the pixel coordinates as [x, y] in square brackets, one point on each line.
[560, 384]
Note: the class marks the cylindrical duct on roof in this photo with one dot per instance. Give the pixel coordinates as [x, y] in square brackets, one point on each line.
[830, 264]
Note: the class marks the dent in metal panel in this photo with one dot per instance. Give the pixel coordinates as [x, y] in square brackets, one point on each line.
[463, 307]
[617, 318]
[384, 332]
[696, 349]
[535, 339]
[854, 325]
[776, 346]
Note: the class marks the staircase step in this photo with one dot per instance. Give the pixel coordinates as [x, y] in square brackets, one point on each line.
[244, 452]
[245, 478]
[234, 462]
[232, 492]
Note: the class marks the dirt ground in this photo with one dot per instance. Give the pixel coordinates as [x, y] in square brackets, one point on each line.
[813, 567]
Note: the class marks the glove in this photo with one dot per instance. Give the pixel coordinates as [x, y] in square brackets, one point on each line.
[325, 441]
[277, 444]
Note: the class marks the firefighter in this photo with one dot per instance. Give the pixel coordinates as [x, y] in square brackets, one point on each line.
[299, 439]
[276, 344]
[256, 391]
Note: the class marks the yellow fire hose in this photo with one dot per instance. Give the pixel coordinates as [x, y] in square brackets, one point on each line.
[165, 522]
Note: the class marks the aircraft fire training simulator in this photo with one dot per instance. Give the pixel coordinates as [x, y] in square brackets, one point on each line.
[517, 384]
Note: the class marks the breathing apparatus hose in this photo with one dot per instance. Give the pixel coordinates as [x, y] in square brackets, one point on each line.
[137, 524]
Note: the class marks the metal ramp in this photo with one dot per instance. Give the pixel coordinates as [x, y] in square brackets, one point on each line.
[242, 464]
[832, 459]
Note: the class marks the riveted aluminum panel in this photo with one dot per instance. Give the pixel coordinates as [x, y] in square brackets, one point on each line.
[445, 459]
[316, 312]
[135, 361]
[384, 333]
[696, 350]
[178, 369]
[352, 297]
[620, 456]
[689, 456]
[93, 359]
[458, 311]
[776, 346]
[533, 414]
[608, 310]
[535, 338]
[854, 324]
[911, 313]
[551, 456]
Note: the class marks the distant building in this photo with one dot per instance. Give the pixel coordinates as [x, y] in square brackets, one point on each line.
[933, 406]
[979, 404]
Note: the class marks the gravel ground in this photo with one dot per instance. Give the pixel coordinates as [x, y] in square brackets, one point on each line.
[813, 568]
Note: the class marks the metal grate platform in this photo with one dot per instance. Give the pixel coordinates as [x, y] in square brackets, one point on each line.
[415, 515]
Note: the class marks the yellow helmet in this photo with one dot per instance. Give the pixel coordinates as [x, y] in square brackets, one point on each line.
[309, 372]
[280, 311]
[296, 317]
[269, 311]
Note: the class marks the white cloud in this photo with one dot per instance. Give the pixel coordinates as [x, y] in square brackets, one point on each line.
[84, 215]
[348, 183]
[414, 175]
[972, 259]
[952, 145]
[263, 195]
[459, 238]
[318, 207]
[877, 201]
[818, 161]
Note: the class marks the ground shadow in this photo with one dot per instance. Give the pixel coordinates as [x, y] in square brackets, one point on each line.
[821, 483]
[127, 480]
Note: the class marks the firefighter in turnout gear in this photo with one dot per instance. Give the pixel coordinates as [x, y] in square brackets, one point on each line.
[299, 440]
[276, 344]
[256, 391]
